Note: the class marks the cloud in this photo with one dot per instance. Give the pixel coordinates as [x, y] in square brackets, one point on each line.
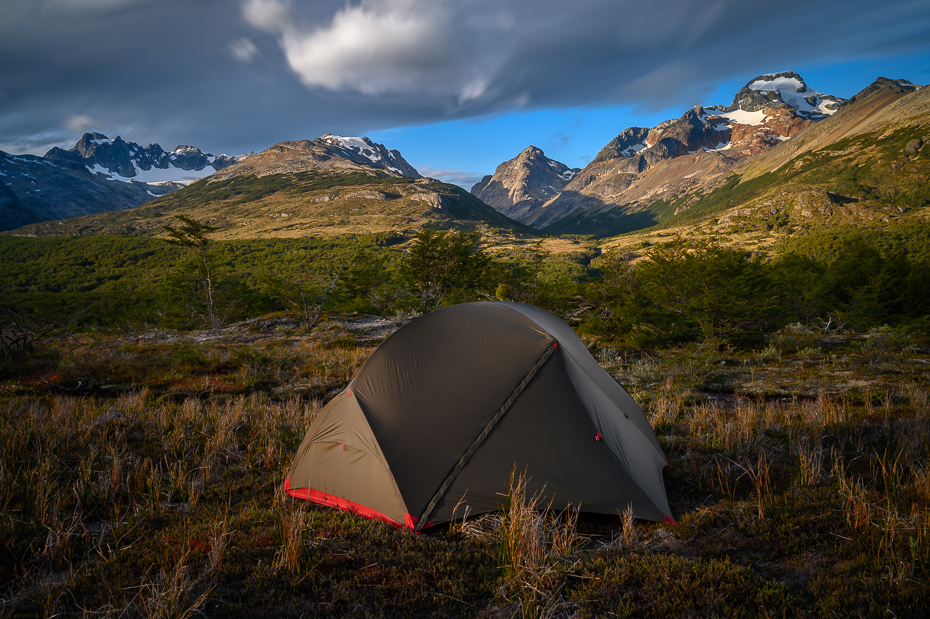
[79, 123]
[80, 6]
[456, 177]
[273, 70]
[269, 15]
[385, 47]
[243, 49]
[478, 56]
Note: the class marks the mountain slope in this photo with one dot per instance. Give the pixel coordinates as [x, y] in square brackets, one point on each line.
[328, 154]
[867, 166]
[692, 153]
[96, 175]
[330, 186]
[519, 186]
[34, 189]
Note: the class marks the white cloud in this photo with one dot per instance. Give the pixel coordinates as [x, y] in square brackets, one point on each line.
[269, 15]
[80, 123]
[243, 49]
[385, 47]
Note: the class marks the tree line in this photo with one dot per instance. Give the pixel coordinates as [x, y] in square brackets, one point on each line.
[679, 292]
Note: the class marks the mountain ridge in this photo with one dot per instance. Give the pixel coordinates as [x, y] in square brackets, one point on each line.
[519, 186]
[330, 186]
[642, 164]
[120, 160]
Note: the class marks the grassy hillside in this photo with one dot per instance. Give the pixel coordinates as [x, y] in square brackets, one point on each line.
[861, 180]
[867, 182]
[297, 205]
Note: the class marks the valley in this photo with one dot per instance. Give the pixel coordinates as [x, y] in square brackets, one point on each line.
[755, 275]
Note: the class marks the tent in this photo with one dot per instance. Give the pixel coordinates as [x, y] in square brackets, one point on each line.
[455, 400]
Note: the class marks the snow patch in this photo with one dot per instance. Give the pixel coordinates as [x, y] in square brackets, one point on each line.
[183, 150]
[793, 92]
[745, 118]
[156, 175]
[356, 144]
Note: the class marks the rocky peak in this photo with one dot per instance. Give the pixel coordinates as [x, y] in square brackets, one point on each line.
[531, 153]
[689, 133]
[887, 85]
[785, 87]
[629, 142]
[523, 184]
[363, 150]
[128, 160]
[189, 158]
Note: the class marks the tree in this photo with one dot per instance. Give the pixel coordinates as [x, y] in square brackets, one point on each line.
[443, 267]
[306, 294]
[193, 235]
[685, 291]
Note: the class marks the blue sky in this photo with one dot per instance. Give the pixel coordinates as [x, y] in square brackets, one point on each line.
[458, 86]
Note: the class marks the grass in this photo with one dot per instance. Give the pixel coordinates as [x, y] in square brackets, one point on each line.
[144, 480]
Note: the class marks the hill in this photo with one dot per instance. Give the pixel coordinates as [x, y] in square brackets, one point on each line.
[331, 186]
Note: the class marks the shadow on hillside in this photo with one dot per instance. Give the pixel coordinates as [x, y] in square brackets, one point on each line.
[603, 222]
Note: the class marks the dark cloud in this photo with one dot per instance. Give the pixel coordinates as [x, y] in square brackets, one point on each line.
[238, 76]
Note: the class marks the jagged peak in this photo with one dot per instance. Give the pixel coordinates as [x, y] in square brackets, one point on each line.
[885, 84]
[93, 137]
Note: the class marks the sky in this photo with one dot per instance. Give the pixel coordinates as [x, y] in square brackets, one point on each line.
[458, 86]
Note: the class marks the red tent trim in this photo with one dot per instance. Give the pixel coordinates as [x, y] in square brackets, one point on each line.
[330, 500]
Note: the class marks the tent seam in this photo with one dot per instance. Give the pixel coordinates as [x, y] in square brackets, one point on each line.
[484, 434]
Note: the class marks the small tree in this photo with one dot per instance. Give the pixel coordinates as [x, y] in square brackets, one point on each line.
[442, 267]
[193, 235]
[307, 295]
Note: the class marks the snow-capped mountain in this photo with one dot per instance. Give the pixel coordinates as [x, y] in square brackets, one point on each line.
[98, 174]
[116, 159]
[786, 87]
[35, 189]
[682, 154]
[519, 186]
[329, 154]
[374, 153]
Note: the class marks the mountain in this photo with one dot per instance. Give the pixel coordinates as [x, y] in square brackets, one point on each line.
[117, 159]
[35, 189]
[867, 166]
[329, 153]
[330, 186]
[520, 186]
[642, 165]
[96, 175]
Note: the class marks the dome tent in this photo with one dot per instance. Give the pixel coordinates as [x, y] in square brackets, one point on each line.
[448, 405]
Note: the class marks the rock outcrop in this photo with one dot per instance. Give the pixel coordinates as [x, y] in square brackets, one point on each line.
[520, 186]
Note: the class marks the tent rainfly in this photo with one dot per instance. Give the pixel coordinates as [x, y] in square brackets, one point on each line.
[451, 403]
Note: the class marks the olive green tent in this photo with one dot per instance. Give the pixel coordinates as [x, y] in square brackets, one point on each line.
[451, 403]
